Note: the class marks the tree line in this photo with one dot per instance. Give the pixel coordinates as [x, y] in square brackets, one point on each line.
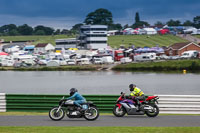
[14, 30]
[100, 16]
[104, 17]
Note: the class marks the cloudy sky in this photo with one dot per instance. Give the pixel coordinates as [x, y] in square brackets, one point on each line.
[66, 13]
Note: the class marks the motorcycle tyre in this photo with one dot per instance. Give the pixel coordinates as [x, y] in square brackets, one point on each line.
[60, 117]
[117, 115]
[152, 115]
[94, 117]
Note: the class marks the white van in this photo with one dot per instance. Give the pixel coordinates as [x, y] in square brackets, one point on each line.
[189, 54]
[125, 60]
[107, 59]
[145, 57]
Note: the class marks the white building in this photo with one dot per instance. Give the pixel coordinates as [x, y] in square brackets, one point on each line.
[44, 48]
[93, 36]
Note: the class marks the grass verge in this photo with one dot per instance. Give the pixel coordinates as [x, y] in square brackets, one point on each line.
[100, 129]
[60, 68]
[162, 66]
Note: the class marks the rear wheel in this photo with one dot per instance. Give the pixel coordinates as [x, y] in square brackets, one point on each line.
[56, 114]
[152, 112]
[119, 112]
[91, 114]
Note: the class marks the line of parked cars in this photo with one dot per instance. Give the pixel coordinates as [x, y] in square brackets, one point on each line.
[192, 54]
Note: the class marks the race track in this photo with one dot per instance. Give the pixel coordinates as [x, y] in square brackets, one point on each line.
[106, 120]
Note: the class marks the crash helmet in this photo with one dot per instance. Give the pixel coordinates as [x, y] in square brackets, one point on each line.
[72, 91]
[132, 87]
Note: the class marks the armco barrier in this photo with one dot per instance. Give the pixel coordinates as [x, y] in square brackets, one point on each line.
[17, 102]
[174, 104]
[179, 104]
[2, 102]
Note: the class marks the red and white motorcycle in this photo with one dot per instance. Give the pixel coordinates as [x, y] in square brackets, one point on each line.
[125, 105]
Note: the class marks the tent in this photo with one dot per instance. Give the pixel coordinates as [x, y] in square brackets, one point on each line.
[157, 49]
[163, 31]
[142, 50]
[150, 31]
[148, 50]
[3, 53]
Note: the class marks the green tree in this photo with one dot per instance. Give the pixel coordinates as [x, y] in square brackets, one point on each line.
[137, 17]
[125, 26]
[39, 32]
[196, 21]
[115, 27]
[187, 23]
[57, 32]
[25, 30]
[47, 30]
[100, 16]
[65, 31]
[140, 24]
[172, 22]
[159, 23]
[6, 29]
[76, 28]
[14, 32]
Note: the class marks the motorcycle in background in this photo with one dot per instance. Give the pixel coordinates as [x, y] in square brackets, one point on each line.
[67, 107]
[127, 106]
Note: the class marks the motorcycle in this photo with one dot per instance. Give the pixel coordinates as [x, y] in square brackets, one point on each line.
[125, 105]
[89, 111]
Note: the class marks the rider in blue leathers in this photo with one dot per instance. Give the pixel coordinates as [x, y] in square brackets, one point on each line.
[79, 99]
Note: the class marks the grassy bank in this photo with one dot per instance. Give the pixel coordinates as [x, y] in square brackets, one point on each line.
[44, 129]
[113, 41]
[60, 68]
[143, 40]
[38, 39]
[163, 66]
[198, 36]
[174, 66]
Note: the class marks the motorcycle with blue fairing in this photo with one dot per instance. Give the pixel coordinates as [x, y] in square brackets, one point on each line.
[89, 111]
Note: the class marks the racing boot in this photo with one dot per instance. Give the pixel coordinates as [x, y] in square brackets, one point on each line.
[80, 109]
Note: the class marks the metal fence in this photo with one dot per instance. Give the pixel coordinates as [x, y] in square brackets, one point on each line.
[2, 102]
[170, 104]
[42, 103]
[179, 104]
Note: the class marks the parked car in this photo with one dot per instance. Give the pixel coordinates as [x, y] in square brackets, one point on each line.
[97, 61]
[71, 62]
[125, 60]
[83, 61]
[189, 54]
[174, 57]
[107, 59]
[145, 57]
[164, 57]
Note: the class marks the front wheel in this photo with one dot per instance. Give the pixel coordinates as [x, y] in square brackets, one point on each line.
[152, 112]
[119, 112]
[56, 114]
[91, 114]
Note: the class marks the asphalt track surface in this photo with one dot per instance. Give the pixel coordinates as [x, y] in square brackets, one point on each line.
[107, 120]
